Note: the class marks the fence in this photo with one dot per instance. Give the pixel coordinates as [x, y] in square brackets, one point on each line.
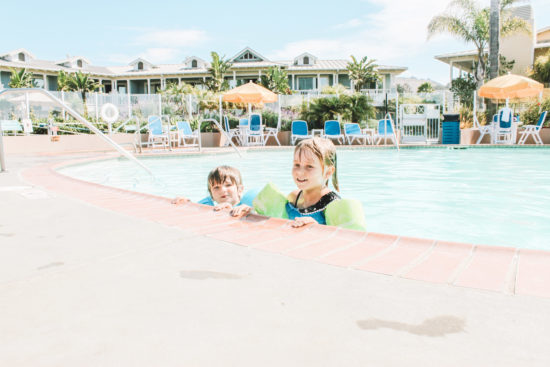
[419, 123]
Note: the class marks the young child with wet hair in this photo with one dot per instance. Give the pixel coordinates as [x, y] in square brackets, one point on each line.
[225, 186]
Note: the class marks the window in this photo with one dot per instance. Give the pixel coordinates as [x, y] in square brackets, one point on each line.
[306, 83]
[248, 56]
[194, 63]
[79, 63]
[306, 60]
[140, 65]
[21, 56]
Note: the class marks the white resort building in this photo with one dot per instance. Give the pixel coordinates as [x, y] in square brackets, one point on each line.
[521, 48]
[306, 72]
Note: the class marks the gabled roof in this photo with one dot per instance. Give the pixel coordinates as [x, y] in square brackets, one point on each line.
[201, 62]
[19, 50]
[311, 56]
[248, 49]
[145, 62]
[73, 59]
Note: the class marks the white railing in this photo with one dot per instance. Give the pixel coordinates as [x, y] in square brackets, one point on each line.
[419, 123]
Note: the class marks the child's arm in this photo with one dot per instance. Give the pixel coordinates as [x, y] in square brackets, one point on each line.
[180, 200]
[241, 210]
[221, 206]
[302, 221]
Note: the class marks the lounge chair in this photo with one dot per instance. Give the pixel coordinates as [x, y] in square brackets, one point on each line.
[185, 134]
[504, 129]
[533, 130]
[231, 133]
[157, 136]
[332, 131]
[353, 132]
[299, 131]
[273, 131]
[255, 133]
[385, 131]
[483, 130]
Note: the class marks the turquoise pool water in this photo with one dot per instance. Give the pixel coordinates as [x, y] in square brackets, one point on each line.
[496, 196]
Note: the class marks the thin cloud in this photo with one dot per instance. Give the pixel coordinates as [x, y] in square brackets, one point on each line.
[352, 23]
[172, 38]
[392, 34]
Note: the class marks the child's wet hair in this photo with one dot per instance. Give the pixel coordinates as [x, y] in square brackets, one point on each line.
[222, 173]
[323, 149]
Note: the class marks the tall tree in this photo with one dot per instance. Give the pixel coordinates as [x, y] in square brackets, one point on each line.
[362, 72]
[541, 68]
[494, 31]
[276, 80]
[465, 20]
[20, 79]
[83, 83]
[218, 68]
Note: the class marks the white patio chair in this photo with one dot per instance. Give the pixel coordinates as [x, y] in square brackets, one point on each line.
[255, 133]
[156, 134]
[504, 127]
[186, 136]
[231, 133]
[273, 131]
[533, 130]
[483, 130]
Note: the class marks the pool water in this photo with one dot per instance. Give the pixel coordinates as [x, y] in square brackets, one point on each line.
[496, 196]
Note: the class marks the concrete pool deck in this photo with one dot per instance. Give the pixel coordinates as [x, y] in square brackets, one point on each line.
[92, 275]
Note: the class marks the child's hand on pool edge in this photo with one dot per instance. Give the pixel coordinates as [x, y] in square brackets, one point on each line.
[302, 221]
[241, 210]
[222, 206]
[180, 200]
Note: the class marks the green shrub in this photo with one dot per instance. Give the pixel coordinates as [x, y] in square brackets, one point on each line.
[530, 116]
[351, 108]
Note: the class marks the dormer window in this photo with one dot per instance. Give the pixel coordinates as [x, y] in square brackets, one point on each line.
[79, 63]
[140, 65]
[21, 56]
[248, 56]
[194, 63]
[306, 60]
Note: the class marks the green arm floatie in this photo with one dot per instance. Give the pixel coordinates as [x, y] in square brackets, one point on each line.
[346, 213]
[271, 202]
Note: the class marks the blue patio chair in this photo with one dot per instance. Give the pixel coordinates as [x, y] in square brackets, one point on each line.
[255, 133]
[185, 134]
[299, 130]
[353, 132]
[243, 122]
[231, 133]
[156, 134]
[504, 129]
[385, 131]
[10, 125]
[332, 131]
[533, 130]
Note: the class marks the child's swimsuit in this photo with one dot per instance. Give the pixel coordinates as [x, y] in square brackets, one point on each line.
[316, 211]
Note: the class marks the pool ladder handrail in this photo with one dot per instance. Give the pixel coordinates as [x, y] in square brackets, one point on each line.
[388, 117]
[78, 117]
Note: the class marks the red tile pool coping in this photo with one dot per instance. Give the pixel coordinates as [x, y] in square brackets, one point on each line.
[500, 269]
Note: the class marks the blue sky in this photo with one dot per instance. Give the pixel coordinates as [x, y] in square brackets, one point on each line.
[116, 32]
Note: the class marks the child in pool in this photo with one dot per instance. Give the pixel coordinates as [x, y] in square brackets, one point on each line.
[314, 164]
[225, 187]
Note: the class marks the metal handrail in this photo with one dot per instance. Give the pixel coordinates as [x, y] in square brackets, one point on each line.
[388, 116]
[222, 131]
[77, 116]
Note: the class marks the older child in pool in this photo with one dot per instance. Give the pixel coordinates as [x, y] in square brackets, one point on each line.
[314, 165]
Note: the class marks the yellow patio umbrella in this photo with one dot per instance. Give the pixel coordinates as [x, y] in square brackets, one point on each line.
[510, 86]
[250, 93]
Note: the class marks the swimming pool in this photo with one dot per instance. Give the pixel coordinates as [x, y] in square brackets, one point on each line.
[496, 196]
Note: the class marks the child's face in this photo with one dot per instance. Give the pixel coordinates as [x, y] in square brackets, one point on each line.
[226, 192]
[307, 171]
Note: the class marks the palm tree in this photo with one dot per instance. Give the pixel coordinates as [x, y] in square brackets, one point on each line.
[218, 68]
[62, 81]
[494, 38]
[80, 82]
[425, 87]
[465, 20]
[362, 72]
[20, 79]
[276, 80]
